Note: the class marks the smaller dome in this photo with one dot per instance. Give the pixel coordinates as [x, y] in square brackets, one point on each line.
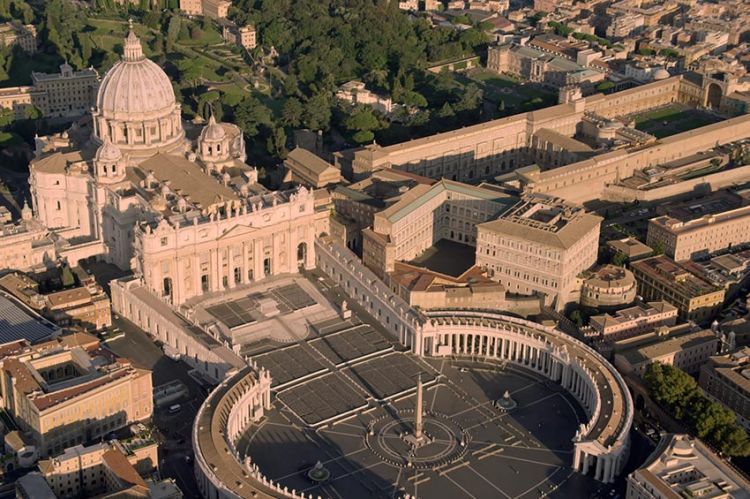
[661, 74]
[108, 152]
[213, 132]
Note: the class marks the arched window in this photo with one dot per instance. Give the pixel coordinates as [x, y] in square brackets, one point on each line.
[167, 287]
[301, 253]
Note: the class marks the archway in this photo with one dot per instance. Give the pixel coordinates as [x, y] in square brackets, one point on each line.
[167, 287]
[301, 253]
[713, 96]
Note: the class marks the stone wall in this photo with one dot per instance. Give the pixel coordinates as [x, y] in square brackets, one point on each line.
[212, 359]
[363, 286]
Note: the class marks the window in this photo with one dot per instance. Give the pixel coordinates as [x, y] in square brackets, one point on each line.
[204, 283]
[58, 206]
[237, 275]
[164, 241]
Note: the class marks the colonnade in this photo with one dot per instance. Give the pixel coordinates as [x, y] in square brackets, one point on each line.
[554, 355]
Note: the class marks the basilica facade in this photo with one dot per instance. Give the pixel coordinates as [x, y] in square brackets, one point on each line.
[139, 188]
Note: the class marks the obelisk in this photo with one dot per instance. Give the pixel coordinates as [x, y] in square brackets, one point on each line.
[418, 412]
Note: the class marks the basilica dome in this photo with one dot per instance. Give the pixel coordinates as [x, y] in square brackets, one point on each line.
[135, 86]
[136, 109]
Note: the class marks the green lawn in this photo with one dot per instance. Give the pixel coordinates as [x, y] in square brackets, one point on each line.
[8, 139]
[672, 120]
[513, 92]
[668, 113]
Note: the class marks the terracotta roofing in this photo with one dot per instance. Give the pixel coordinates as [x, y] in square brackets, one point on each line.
[119, 465]
[51, 399]
[57, 162]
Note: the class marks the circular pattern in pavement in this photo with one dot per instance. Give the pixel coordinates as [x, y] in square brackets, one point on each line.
[445, 440]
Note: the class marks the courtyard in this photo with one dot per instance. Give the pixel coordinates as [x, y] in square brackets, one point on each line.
[350, 398]
[673, 119]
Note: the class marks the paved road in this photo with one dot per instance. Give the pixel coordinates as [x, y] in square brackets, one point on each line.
[175, 429]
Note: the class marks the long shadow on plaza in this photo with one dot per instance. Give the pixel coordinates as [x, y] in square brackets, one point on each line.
[288, 462]
[548, 428]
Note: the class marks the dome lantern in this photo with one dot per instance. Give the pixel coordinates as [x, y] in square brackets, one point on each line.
[132, 51]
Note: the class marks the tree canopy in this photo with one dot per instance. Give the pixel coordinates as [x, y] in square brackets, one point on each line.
[678, 393]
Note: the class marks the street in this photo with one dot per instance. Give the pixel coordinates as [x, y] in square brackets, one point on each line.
[175, 449]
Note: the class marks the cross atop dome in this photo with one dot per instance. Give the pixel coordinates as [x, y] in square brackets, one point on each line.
[132, 51]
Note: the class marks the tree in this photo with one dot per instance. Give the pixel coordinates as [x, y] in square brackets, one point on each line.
[471, 98]
[446, 111]
[173, 32]
[251, 114]
[669, 53]
[363, 137]
[6, 116]
[577, 317]
[67, 277]
[276, 143]
[291, 113]
[191, 71]
[678, 393]
[619, 259]
[31, 113]
[658, 248]
[207, 104]
[317, 114]
[362, 119]
[605, 85]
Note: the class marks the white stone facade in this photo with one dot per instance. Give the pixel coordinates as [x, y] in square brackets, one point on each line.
[187, 216]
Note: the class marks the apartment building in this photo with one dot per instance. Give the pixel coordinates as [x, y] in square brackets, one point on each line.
[85, 306]
[426, 214]
[726, 378]
[309, 169]
[685, 346]
[635, 320]
[540, 247]
[215, 9]
[71, 391]
[101, 468]
[66, 94]
[552, 70]
[661, 278]
[700, 228]
[244, 36]
[682, 466]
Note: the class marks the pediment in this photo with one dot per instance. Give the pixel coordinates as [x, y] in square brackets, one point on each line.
[238, 231]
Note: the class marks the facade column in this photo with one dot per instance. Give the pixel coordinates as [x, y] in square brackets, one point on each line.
[244, 265]
[607, 478]
[586, 463]
[195, 265]
[230, 267]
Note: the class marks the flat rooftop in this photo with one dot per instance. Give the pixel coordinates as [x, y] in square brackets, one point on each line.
[671, 273]
[18, 322]
[712, 204]
[273, 312]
